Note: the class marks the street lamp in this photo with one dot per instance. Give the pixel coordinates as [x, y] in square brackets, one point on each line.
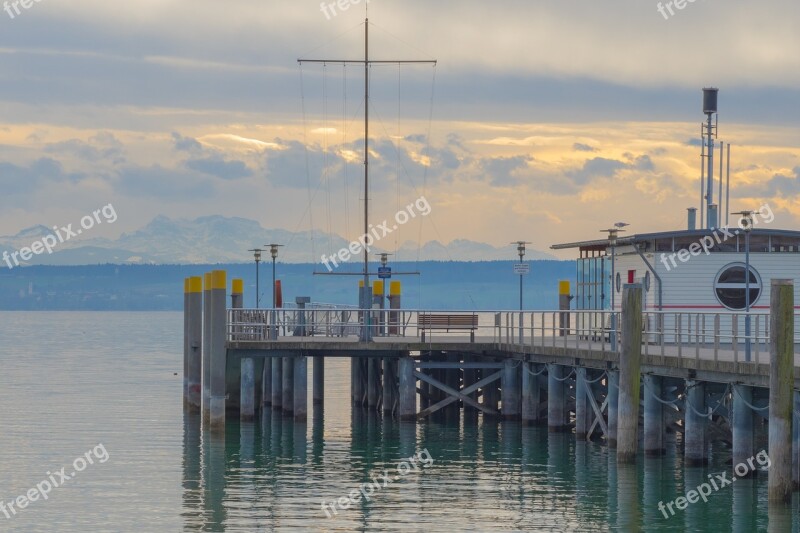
[522, 272]
[273, 251]
[612, 242]
[257, 257]
[746, 223]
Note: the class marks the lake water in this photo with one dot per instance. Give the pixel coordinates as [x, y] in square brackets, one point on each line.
[101, 393]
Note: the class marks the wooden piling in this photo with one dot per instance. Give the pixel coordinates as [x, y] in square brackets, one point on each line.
[629, 374]
[247, 402]
[653, 416]
[266, 383]
[195, 343]
[613, 403]
[356, 381]
[531, 396]
[581, 404]
[796, 444]
[319, 380]
[206, 348]
[781, 396]
[510, 389]
[390, 385]
[300, 388]
[219, 326]
[277, 382]
[287, 385]
[742, 431]
[695, 451]
[373, 382]
[408, 389]
[186, 320]
[556, 399]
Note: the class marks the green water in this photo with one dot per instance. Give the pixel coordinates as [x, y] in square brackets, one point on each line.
[70, 381]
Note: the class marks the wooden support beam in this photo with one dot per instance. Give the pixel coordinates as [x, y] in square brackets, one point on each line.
[598, 413]
[456, 395]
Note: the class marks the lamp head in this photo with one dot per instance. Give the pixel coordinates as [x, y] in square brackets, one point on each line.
[273, 249]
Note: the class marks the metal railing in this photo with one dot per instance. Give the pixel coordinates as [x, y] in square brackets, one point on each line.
[698, 335]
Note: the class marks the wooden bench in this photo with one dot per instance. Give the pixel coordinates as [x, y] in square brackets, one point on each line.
[430, 322]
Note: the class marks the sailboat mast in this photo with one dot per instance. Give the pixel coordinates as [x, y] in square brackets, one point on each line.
[367, 294]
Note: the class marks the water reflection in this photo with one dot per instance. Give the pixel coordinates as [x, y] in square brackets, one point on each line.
[275, 473]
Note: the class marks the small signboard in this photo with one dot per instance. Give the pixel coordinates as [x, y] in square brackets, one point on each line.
[522, 268]
[384, 272]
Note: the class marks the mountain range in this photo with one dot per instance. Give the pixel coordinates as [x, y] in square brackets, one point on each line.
[218, 239]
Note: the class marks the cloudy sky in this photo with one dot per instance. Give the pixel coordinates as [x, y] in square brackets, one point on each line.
[543, 120]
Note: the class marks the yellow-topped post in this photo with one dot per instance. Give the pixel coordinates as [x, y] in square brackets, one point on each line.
[218, 337]
[206, 347]
[194, 310]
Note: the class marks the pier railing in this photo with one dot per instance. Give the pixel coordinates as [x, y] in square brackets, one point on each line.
[705, 335]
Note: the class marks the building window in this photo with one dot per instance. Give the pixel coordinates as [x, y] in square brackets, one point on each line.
[729, 286]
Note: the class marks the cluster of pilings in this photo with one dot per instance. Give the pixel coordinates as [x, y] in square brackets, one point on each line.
[216, 384]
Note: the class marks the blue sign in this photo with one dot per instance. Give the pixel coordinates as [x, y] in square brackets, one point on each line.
[384, 272]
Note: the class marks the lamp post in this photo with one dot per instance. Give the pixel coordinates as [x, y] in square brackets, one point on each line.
[746, 223]
[257, 257]
[521, 252]
[612, 242]
[273, 250]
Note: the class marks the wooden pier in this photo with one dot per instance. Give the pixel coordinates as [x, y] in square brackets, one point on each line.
[676, 372]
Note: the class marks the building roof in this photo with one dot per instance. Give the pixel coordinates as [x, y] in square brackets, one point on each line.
[698, 233]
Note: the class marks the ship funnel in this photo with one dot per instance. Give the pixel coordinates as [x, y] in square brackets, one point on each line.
[692, 216]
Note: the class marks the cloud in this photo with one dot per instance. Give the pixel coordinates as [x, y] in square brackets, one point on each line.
[599, 167]
[580, 147]
[186, 144]
[102, 146]
[216, 166]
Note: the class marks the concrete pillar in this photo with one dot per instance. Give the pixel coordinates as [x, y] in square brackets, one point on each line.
[781, 396]
[301, 330]
[277, 382]
[408, 389]
[531, 395]
[556, 398]
[613, 403]
[743, 417]
[287, 386]
[653, 416]
[356, 381]
[219, 327]
[581, 404]
[695, 449]
[510, 386]
[319, 380]
[390, 385]
[206, 347]
[195, 343]
[300, 389]
[629, 374]
[247, 402]
[373, 382]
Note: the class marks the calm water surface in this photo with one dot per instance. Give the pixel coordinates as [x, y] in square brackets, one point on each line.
[70, 382]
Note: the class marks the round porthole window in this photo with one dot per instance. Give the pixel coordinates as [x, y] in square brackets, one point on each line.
[647, 281]
[730, 286]
[618, 281]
